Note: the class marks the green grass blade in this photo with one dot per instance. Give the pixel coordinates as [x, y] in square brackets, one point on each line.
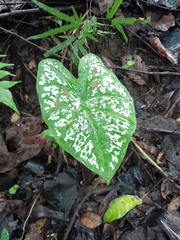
[60, 46]
[120, 29]
[78, 18]
[75, 53]
[82, 50]
[120, 20]
[112, 11]
[55, 12]
[53, 32]
[90, 36]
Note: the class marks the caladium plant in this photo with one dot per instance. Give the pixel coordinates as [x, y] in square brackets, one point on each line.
[91, 117]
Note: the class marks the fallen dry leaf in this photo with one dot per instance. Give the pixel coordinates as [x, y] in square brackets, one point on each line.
[30, 147]
[21, 129]
[164, 23]
[161, 50]
[7, 204]
[167, 188]
[90, 220]
[174, 204]
[35, 230]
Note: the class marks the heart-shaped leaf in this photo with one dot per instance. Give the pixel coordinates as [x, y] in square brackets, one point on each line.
[91, 117]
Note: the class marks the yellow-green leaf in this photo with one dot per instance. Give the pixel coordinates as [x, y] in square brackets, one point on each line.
[120, 206]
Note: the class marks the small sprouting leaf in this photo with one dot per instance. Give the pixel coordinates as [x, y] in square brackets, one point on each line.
[120, 206]
[128, 64]
[4, 234]
[144, 21]
[91, 117]
[47, 133]
[5, 94]
[13, 189]
[78, 18]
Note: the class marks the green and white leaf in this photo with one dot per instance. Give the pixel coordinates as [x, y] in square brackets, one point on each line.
[120, 206]
[91, 117]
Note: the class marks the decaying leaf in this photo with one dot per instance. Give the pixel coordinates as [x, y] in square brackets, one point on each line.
[171, 149]
[7, 204]
[59, 191]
[108, 232]
[30, 147]
[174, 204]
[91, 220]
[161, 50]
[170, 222]
[24, 127]
[159, 124]
[149, 148]
[35, 230]
[168, 188]
[102, 7]
[164, 23]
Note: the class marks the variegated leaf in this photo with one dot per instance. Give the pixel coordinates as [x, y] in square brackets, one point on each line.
[91, 117]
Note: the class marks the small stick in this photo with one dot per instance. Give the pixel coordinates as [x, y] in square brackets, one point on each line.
[79, 207]
[145, 72]
[147, 157]
[171, 108]
[24, 226]
[152, 162]
[41, 48]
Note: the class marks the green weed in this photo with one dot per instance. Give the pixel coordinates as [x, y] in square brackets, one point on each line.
[5, 94]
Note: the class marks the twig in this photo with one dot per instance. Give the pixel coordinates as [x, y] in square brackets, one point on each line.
[19, 12]
[24, 226]
[172, 107]
[147, 44]
[31, 43]
[79, 207]
[35, 10]
[147, 157]
[151, 161]
[145, 72]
